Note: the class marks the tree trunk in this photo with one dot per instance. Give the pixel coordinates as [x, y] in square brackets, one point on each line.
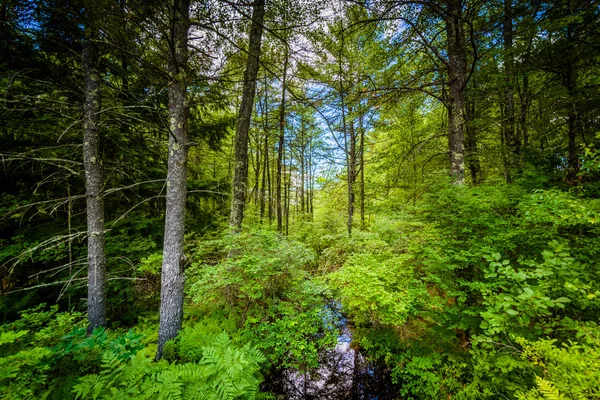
[96, 302]
[265, 173]
[347, 151]
[573, 122]
[524, 111]
[457, 72]
[302, 179]
[362, 172]
[513, 145]
[351, 173]
[240, 175]
[285, 197]
[281, 148]
[309, 204]
[472, 156]
[172, 276]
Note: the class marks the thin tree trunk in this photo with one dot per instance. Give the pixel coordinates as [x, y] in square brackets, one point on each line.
[524, 111]
[302, 179]
[173, 276]
[472, 156]
[573, 113]
[265, 173]
[281, 149]
[240, 176]
[508, 122]
[457, 71]
[93, 177]
[285, 195]
[345, 135]
[310, 178]
[255, 190]
[351, 173]
[362, 172]
[272, 175]
[70, 244]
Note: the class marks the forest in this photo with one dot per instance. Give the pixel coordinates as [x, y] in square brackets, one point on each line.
[310, 199]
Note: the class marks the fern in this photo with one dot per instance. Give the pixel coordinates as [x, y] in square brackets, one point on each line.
[548, 390]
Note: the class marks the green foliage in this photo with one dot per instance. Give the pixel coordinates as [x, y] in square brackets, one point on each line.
[55, 360]
[567, 371]
[221, 371]
[375, 288]
[262, 280]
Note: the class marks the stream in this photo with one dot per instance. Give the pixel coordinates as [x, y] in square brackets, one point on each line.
[343, 373]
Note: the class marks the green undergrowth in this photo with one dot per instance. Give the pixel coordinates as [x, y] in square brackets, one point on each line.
[475, 292]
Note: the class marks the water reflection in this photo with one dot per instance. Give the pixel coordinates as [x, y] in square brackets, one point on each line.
[343, 373]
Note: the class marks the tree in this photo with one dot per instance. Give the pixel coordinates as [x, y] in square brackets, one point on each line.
[173, 275]
[93, 173]
[240, 174]
[457, 80]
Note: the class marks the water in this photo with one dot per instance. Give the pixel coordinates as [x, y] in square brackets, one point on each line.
[343, 372]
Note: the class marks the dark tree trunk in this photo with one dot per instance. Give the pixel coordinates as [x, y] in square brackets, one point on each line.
[285, 196]
[362, 172]
[173, 276]
[573, 127]
[302, 179]
[513, 145]
[96, 302]
[255, 189]
[240, 175]
[573, 122]
[457, 72]
[310, 178]
[523, 112]
[472, 156]
[265, 174]
[281, 148]
[347, 150]
[351, 173]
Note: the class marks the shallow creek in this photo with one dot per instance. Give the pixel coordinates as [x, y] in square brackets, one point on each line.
[343, 374]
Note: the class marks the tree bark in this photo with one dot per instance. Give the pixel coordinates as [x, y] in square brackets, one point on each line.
[457, 72]
[573, 122]
[240, 175]
[351, 173]
[281, 149]
[173, 276]
[362, 172]
[96, 302]
[265, 172]
[302, 149]
[472, 156]
[513, 145]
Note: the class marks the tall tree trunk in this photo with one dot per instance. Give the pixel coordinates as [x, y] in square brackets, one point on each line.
[302, 178]
[457, 72]
[265, 172]
[362, 172]
[96, 302]
[513, 145]
[285, 196]
[472, 156]
[240, 175]
[524, 111]
[272, 175]
[173, 276]
[351, 172]
[255, 189]
[573, 122]
[281, 148]
[309, 205]
[345, 135]
[573, 126]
